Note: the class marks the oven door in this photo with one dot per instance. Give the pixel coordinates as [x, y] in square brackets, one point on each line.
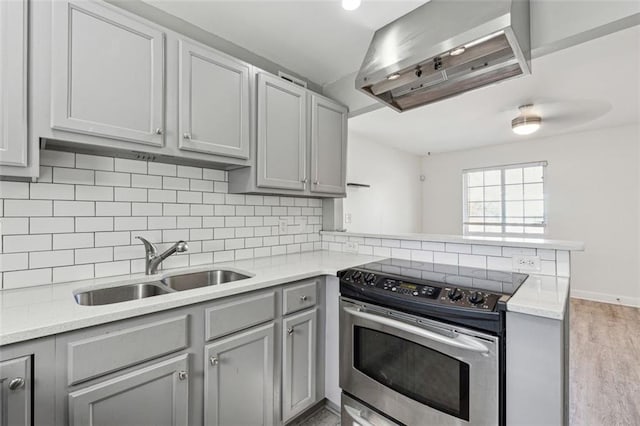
[418, 371]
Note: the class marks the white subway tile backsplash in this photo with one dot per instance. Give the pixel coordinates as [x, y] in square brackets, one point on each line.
[409, 244]
[47, 259]
[73, 208]
[81, 218]
[94, 193]
[162, 169]
[130, 166]
[486, 250]
[563, 268]
[472, 261]
[499, 263]
[73, 176]
[14, 225]
[382, 251]
[70, 241]
[26, 243]
[51, 225]
[94, 162]
[457, 248]
[113, 179]
[422, 256]
[22, 208]
[518, 251]
[400, 253]
[445, 258]
[431, 246]
[57, 158]
[10, 189]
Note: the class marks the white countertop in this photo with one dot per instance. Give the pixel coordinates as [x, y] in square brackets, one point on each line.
[34, 312]
[465, 239]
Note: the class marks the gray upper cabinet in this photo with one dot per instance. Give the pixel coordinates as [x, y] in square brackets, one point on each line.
[214, 102]
[282, 130]
[13, 83]
[298, 363]
[239, 379]
[154, 395]
[15, 392]
[107, 73]
[328, 146]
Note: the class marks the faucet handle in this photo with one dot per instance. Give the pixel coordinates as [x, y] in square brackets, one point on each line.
[149, 246]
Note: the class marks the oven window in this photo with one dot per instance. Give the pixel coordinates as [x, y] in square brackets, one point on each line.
[422, 374]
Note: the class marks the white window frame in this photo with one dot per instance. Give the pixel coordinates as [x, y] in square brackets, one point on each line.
[503, 224]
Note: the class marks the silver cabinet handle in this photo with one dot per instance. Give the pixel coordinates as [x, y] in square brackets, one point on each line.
[158, 131]
[303, 298]
[187, 136]
[213, 361]
[183, 375]
[304, 180]
[316, 182]
[290, 331]
[16, 383]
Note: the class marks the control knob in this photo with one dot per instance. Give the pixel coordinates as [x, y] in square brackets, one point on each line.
[455, 294]
[476, 297]
[369, 278]
[356, 275]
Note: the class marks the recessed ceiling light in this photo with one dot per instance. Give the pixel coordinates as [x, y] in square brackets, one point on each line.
[457, 51]
[350, 4]
[394, 76]
[527, 122]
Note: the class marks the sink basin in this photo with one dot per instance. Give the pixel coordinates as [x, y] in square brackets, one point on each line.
[107, 296]
[202, 279]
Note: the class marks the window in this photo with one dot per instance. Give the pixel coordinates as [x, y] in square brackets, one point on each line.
[505, 200]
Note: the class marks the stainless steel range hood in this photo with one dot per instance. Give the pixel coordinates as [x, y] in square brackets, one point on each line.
[444, 48]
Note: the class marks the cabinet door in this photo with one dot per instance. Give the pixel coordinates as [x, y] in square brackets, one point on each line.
[15, 392]
[328, 146]
[13, 83]
[239, 379]
[107, 73]
[214, 102]
[282, 131]
[298, 363]
[153, 395]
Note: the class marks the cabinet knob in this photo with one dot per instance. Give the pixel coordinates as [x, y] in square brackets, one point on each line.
[16, 383]
[213, 361]
[187, 136]
[304, 180]
[183, 375]
[303, 298]
[290, 331]
[316, 182]
[158, 131]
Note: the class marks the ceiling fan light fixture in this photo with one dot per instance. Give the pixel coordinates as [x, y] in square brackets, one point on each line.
[527, 122]
[351, 4]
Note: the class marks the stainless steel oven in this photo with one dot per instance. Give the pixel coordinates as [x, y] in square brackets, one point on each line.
[415, 370]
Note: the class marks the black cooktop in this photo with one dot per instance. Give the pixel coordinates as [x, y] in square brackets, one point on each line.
[496, 282]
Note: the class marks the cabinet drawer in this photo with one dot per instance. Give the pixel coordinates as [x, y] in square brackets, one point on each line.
[112, 351]
[299, 297]
[239, 314]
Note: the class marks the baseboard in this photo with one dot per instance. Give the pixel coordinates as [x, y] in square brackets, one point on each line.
[606, 298]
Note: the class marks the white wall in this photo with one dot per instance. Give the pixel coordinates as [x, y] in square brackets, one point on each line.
[593, 195]
[393, 204]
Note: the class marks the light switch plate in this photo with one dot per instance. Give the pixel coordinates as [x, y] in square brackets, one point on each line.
[351, 247]
[526, 263]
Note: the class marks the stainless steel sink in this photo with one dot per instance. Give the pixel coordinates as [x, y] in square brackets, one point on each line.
[107, 296]
[202, 279]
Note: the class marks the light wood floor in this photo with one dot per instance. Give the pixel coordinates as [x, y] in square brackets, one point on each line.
[604, 364]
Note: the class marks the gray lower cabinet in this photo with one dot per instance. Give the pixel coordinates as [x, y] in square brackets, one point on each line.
[154, 395]
[15, 392]
[13, 86]
[299, 363]
[239, 379]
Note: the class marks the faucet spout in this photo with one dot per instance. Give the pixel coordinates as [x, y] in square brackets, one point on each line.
[153, 259]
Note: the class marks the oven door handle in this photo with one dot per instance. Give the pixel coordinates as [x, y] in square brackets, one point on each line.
[460, 341]
[357, 416]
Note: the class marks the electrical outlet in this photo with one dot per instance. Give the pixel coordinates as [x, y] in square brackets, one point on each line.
[526, 263]
[351, 247]
[283, 226]
[347, 218]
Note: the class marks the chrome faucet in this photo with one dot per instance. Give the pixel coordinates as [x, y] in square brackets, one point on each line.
[153, 259]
